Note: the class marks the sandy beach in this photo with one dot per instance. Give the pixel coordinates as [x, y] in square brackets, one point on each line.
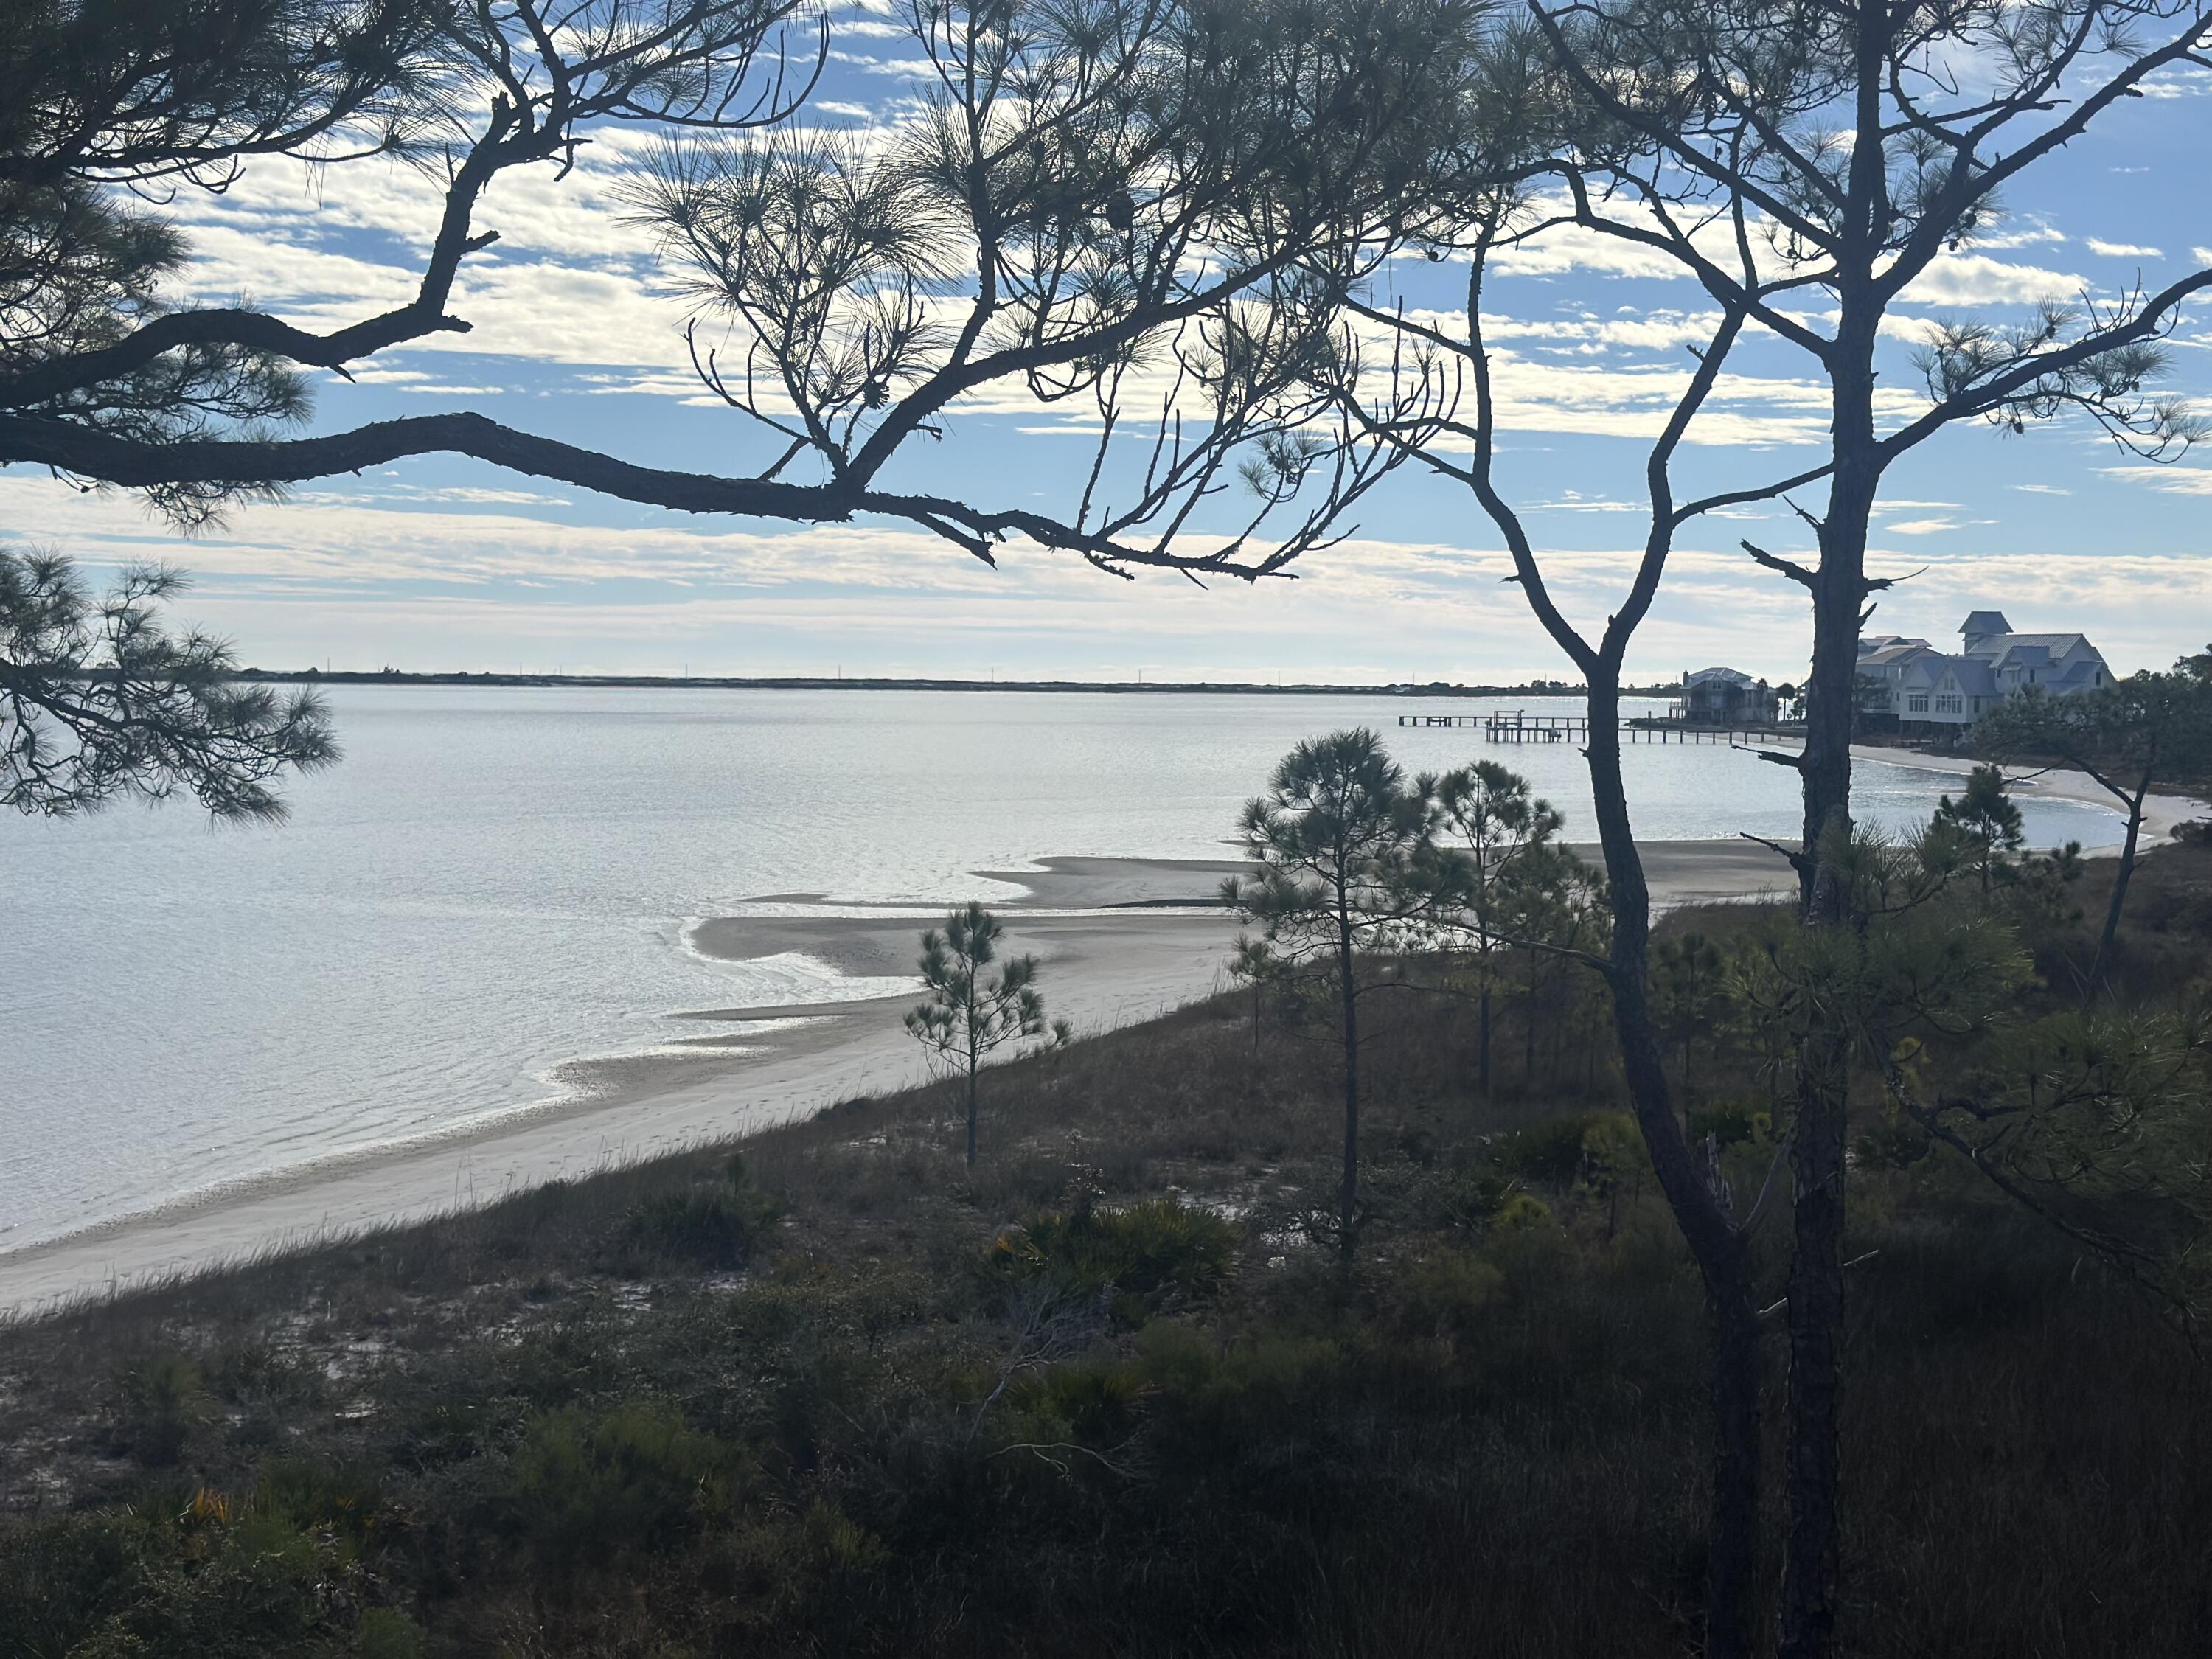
[1118, 940]
[2162, 814]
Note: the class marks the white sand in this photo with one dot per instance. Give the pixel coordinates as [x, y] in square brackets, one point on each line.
[2162, 814]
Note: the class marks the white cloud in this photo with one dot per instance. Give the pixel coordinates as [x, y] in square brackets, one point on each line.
[2024, 236]
[1922, 526]
[2167, 480]
[2179, 84]
[2122, 250]
[1976, 279]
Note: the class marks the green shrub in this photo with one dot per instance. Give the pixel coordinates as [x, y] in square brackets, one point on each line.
[206, 1581]
[584, 1486]
[1731, 1123]
[1262, 1385]
[1549, 1151]
[349, 1504]
[1522, 1213]
[1442, 1293]
[719, 1226]
[1464, 1200]
[388, 1635]
[60, 1579]
[1091, 1405]
[1893, 1142]
[1140, 1253]
[164, 1399]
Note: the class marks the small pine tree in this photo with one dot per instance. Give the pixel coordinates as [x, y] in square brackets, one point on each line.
[967, 1015]
[1346, 865]
[1505, 874]
[1986, 820]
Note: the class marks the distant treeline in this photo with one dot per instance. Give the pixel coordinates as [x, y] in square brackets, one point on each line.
[807, 683]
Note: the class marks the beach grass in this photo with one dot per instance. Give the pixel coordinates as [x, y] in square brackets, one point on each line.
[1110, 1392]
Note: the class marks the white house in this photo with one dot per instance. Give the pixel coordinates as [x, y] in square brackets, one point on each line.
[1928, 688]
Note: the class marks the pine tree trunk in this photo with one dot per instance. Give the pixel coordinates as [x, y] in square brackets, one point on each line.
[2120, 879]
[1484, 1066]
[1348, 1192]
[971, 1111]
[1528, 1033]
[1816, 1271]
[1716, 1244]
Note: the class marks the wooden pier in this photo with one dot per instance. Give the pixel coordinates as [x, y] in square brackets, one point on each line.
[1663, 731]
[1517, 726]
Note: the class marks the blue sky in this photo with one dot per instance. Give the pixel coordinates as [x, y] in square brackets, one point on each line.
[445, 563]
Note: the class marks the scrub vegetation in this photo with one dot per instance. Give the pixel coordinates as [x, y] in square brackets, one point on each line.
[1114, 1389]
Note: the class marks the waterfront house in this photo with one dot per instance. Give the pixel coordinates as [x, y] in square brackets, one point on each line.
[1726, 697]
[1928, 692]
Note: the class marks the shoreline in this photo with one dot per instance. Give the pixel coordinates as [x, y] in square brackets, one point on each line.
[2162, 813]
[1118, 940]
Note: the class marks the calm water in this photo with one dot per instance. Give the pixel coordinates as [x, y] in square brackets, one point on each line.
[494, 881]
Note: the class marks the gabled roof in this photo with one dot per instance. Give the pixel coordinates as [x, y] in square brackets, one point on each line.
[1984, 622]
[2059, 644]
[1899, 651]
[1703, 675]
[1976, 676]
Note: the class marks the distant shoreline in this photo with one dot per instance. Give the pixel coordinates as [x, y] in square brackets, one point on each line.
[804, 682]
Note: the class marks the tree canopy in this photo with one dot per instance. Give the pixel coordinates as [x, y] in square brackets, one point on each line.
[1147, 205]
[99, 699]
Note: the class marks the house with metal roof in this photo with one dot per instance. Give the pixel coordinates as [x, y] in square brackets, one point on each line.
[1725, 696]
[1930, 690]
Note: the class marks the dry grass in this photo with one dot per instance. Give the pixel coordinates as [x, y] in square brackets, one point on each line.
[572, 1437]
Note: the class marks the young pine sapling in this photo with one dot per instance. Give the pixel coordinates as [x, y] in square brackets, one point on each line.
[968, 1012]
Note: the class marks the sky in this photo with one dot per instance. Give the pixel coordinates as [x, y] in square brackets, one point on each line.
[442, 562]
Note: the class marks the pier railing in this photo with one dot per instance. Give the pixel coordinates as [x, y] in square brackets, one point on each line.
[1518, 726]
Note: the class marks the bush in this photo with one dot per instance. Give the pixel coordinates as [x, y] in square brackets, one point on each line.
[1731, 1123]
[1089, 1405]
[1549, 1151]
[1139, 1253]
[718, 1226]
[584, 1486]
[1442, 1294]
[348, 1504]
[164, 1399]
[1893, 1142]
[207, 1581]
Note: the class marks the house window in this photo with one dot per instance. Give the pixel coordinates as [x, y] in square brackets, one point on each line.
[1948, 702]
[1916, 703]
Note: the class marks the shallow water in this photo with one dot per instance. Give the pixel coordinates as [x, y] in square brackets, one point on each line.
[494, 881]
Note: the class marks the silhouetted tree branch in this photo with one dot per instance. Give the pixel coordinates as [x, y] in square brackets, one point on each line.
[98, 700]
